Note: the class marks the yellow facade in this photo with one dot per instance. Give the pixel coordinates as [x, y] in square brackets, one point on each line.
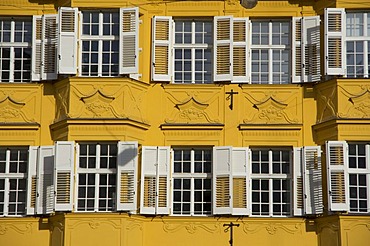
[80, 109]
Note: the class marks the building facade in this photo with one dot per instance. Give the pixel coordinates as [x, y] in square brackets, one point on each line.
[162, 122]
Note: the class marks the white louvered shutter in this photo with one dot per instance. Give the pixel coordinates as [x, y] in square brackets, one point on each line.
[223, 48]
[297, 55]
[312, 181]
[129, 35]
[240, 50]
[298, 194]
[163, 181]
[222, 180]
[31, 180]
[67, 40]
[50, 42]
[240, 181]
[162, 48]
[334, 28]
[127, 176]
[36, 47]
[45, 184]
[337, 174]
[311, 49]
[64, 174]
[149, 163]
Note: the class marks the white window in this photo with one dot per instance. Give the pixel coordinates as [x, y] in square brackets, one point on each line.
[13, 180]
[193, 51]
[96, 174]
[100, 43]
[192, 182]
[271, 187]
[271, 52]
[15, 50]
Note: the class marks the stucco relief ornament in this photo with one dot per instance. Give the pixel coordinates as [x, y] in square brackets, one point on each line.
[360, 107]
[11, 111]
[94, 224]
[3, 230]
[99, 104]
[191, 111]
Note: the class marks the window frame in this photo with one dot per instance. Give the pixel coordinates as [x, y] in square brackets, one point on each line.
[192, 176]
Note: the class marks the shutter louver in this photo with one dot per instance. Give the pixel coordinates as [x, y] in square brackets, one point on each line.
[222, 180]
[297, 50]
[149, 163]
[240, 181]
[313, 202]
[337, 165]
[64, 173]
[129, 33]
[45, 184]
[240, 50]
[223, 48]
[36, 48]
[311, 49]
[31, 180]
[50, 36]
[162, 44]
[163, 181]
[334, 41]
[298, 194]
[67, 40]
[127, 176]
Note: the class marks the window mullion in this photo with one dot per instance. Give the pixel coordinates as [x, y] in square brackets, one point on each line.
[366, 60]
[96, 199]
[271, 197]
[6, 195]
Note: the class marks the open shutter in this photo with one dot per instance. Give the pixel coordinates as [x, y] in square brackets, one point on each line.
[36, 47]
[50, 41]
[129, 34]
[162, 48]
[334, 41]
[64, 173]
[240, 181]
[149, 162]
[337, 174]
[163, 181]
[312, 181]
[67, 40]
[222, 180]
[223, 48]
[298, 195]
[127, 176]
[45, 184]
[297, 55]
[31, 180]
[240, 50]
[311, 49]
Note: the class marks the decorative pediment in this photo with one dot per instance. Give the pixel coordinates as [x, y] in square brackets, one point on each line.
[191, 112]
[99, 105]
[270, 110]
[11, 111]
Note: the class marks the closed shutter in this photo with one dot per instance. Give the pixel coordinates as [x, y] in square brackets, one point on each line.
[129, 34]
[50, 41]
[162, 48]
[337, 174]
[240, 181]
[127, 176]
[240, 50]
[312, 181]
[298, 194]
[311, 48]
[36, 47]
[64, 173]
[222, 180]
[149, 163]
[31, 180]
[67, 40]
[45, 184]
[297, 61]
[334, 28]
[223, 48]
[163, 181]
